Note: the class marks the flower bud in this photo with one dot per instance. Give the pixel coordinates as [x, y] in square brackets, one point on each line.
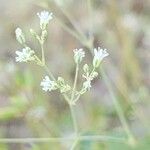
[78, 55]
[96, 62]
[61, 81]
[86, 68]
[20, 36]
[94, 74]
[43, 36]
[62, 85]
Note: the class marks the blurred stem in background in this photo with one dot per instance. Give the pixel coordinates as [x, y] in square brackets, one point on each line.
[131, 74]
[57, 139]
[88, 42]
[108, 84]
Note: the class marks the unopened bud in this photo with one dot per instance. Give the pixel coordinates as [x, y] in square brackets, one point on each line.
[20, 36]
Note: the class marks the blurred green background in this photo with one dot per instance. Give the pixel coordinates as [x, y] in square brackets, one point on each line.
[121, 26]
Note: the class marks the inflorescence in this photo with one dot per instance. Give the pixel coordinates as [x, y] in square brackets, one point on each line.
[48, 83]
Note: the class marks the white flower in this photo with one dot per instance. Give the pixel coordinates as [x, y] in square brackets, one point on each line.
[45, 17]
[87, 85]
[20, 36]
[99, 55]
[48, 85]
[78, 55]
[25, 55]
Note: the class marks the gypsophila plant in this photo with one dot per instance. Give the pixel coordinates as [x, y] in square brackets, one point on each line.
[50, 83]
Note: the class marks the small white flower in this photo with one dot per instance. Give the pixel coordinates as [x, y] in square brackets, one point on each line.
[25, 55]
[20, 36]
[48, 85]
[78, 55]
[45, 17]
[87, 84]
[99, 55]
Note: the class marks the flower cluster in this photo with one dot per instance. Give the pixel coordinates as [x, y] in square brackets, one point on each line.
[49, 85]
[25, 55]
[45, 17]
[78, 55]
[99, 55]
[20, 36]
[88, 76]
[89, 73]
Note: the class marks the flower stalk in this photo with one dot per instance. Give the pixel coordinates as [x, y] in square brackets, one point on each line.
[49, 82]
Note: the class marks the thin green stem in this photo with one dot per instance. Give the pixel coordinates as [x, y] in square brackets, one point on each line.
[90, 11]
[60, 139]
[74, 144]
[72, 106]
[35, 140]
[92, 71]
[65, 96]
[73, 116]
[73, 23]
[102, 138]
[69, 30]
[53, 78]
[49, 72]
[72, 99]
[117, 105]
[43, 55]
[75, 83]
